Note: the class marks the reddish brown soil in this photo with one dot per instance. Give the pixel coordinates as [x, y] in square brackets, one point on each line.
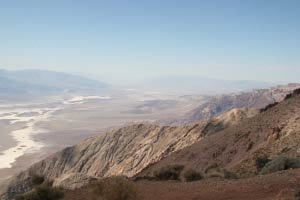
[278, 186]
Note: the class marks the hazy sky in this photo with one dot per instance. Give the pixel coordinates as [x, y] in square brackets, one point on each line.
[125, 40]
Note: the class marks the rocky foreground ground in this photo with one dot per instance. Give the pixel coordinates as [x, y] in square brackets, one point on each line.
[283, 185]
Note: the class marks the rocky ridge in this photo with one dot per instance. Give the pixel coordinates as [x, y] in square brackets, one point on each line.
[273, 132]
[215, 106]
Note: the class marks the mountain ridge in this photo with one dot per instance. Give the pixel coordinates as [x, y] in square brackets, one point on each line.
[125, 151]
[28, 83]
[219, 104]
[271, 133]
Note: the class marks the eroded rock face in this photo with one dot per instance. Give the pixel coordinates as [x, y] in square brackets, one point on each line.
[72, 181]
[126, 151]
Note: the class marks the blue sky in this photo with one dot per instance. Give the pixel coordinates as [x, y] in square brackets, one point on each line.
[125, 40]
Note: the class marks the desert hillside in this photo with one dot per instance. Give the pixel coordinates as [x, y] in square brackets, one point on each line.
[125, 151]
[273, 132]
[226, 146]
[217, 105]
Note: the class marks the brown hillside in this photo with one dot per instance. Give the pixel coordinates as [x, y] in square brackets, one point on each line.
[273, 132]
[279, 186]
[255, 99]
[126, 151]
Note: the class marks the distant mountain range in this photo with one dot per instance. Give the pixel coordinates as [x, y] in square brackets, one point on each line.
[40, 82]
[202, 85]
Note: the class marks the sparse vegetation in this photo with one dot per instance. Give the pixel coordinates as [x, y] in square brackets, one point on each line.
[261, 162]
[37, 179]
[211, 167]
[114, 188]
[229, 174]
[297, 195]
[144, 178]
[171, 172]
[247, 175]
[192, 175]
[42, 192]
[279, 164]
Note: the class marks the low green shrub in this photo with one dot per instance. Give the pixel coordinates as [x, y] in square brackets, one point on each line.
[297, 195]
[42, 192]
[114, 188]
[261, 162]
[37, 179]
[192, 175]
[170, 172]
[230, 175]
[279, 164]
[247, 175]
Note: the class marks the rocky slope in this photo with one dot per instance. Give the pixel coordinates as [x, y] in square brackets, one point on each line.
[275, 131]
[279, 186]
[126, 151]
[229, 118]
[215, 106]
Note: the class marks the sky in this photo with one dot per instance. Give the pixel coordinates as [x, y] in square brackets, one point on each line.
[125, 41]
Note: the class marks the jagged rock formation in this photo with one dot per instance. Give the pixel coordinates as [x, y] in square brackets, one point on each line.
[276, 131]
[126, 151]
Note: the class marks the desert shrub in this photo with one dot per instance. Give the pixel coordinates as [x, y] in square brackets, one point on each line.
[144, 178]
[229, 175]
[37, 179]
[42, 192]
[279, 164]
[192, 175]
[261, 162]
[297, 195]
[211, 167]
[247, 175]
[170, 172]
[114, 188]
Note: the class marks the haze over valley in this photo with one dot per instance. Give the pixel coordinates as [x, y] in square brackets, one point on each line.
[43, 111]
[149, 100]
